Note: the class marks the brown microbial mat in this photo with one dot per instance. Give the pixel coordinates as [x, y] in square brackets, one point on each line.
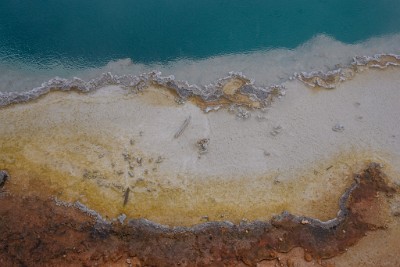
[40, 231]
[146, 175]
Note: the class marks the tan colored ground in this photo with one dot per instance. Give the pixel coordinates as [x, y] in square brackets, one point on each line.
[115, 152]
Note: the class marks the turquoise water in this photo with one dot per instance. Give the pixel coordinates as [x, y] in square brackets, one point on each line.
[60, 37]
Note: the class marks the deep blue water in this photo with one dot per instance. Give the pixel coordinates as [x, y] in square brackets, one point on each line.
[93, 32]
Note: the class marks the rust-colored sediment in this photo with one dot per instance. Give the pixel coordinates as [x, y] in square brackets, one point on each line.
[36, 232]
[231, 94]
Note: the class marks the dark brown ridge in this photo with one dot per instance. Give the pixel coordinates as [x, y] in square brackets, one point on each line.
[37, 232]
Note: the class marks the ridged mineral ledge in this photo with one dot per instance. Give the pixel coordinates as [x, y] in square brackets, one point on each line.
[36, 232]
[235, 88]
